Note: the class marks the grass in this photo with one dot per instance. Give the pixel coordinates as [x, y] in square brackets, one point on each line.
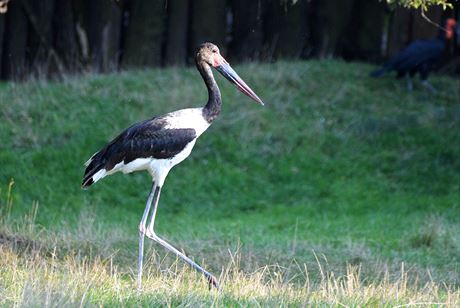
[343, 190]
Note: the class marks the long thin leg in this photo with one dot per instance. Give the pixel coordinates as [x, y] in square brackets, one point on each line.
[427, 85]
[151, 234]
[142, 229]
[409, 82]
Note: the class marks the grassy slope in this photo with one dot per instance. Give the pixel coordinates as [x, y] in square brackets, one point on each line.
[339, 167]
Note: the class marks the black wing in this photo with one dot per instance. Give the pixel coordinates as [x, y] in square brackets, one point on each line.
[416, 54]
[142, 140]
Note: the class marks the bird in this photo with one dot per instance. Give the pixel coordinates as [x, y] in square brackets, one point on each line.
[419, 57]
[161, 142]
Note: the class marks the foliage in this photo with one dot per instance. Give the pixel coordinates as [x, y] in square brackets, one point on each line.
[422, 4]
[342, 190]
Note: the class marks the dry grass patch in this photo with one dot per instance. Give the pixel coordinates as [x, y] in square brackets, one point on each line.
[47, 276]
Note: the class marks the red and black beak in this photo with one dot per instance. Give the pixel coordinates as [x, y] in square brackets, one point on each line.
[227, 71]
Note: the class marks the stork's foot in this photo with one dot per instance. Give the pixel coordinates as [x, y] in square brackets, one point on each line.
[213, 283]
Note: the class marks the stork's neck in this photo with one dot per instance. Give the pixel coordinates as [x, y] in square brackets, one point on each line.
[212, 108]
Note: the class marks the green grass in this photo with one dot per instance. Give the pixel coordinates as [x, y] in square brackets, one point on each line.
[343, 190]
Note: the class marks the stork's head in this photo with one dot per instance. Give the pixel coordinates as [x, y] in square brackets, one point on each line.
[210, 54]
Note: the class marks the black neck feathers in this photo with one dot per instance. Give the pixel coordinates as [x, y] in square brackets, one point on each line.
[212, 108]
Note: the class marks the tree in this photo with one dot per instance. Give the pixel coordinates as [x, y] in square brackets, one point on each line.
[144, 33]
[421, 4]
[176, 32]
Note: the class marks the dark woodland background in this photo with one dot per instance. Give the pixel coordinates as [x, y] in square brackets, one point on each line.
[53, 37]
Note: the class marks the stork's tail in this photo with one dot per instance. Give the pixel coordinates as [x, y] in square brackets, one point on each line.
[94, 172]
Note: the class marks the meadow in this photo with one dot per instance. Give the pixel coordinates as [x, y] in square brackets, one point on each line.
[343, 190]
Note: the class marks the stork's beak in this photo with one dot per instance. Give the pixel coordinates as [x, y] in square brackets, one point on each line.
[227, 71]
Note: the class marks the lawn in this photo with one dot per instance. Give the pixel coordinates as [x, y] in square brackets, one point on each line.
[342, 190]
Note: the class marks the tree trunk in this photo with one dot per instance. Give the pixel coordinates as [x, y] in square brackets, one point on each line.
[364, 35]
[285, 28]
[65, 36]
[176, 32]
[40, 36]
[2, 28]
[329, 23]
[144, 33]
[15, 42]
[399, 32]
[209, 24]
[99, 24]
[247, 35]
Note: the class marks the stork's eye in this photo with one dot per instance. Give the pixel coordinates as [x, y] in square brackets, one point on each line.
[214, 50]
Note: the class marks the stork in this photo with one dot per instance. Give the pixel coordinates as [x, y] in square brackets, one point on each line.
[158, 144]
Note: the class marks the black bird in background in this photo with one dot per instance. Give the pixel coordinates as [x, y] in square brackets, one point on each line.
[419, 57]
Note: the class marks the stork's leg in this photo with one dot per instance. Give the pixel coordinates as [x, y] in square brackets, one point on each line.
[428, 85]
[142, 230]
[151, 234]
[409, 82]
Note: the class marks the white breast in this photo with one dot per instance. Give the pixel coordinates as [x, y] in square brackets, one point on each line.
[188, 118]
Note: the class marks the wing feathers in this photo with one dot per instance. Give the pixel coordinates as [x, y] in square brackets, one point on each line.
[142, 140]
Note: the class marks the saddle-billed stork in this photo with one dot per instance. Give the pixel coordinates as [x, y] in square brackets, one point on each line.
[160, 143]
